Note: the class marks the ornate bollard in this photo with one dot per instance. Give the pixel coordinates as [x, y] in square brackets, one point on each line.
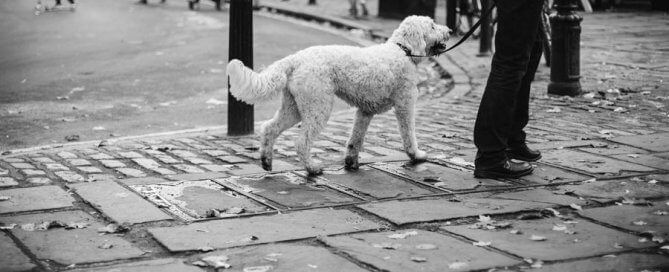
[485, 42]
[565, 49]
[240, 114]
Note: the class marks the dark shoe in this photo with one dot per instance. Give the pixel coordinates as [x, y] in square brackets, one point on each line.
[523, 153]
[508, 169]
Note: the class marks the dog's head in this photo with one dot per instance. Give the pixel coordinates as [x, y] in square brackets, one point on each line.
[421, 36]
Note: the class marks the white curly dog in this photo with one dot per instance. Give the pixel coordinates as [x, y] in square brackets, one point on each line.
[374, 79]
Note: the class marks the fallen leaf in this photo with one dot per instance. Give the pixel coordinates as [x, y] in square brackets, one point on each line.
[652, 181]
[205, 249]
[263, 268]
[616, 245]
[660, 212]
[99, 128]
[106, 246]
[575, 206]
[418, 259]
[219, 261]
[559, 227]
[537, 264]
[28, 227]
[402, 235]
[665, 247]
[554, 211]
[214, 101]
[5, 198]
[76, 225]
[114, 228]
[482, 243]
[516, 231]
[72, 138]
[640, 223]
[657, 239]
[458, 265]
[426, 246]
[387, 246]
[7, 227]
[535, 237]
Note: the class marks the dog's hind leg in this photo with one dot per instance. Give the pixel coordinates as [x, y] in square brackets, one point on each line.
[354, 144]
[286, 117]
[406, 120]
[315, 112]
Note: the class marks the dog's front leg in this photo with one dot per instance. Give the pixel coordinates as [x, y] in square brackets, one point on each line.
[354, 144]
[404, 110]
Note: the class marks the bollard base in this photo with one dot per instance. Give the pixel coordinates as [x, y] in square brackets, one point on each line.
[565, 88]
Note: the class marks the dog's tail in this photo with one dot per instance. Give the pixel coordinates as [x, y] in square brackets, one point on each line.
[251, 87]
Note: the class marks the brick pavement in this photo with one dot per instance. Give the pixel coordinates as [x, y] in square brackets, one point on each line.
[194, 201]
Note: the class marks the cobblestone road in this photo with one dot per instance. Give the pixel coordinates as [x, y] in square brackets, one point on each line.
[192, 201]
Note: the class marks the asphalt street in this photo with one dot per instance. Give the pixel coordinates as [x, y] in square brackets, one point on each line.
[119, 68]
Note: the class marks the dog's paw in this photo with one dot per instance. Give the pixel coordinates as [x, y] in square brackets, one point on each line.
[266, 163]
[351, 163]
[419, 156]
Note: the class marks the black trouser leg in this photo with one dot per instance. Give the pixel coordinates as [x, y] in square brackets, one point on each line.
[521, 117]
[501, 112]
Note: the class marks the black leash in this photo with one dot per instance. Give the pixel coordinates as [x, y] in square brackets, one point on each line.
[463, 39]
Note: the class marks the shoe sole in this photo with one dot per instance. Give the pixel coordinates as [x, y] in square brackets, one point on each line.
[495, 175]
[523, 159]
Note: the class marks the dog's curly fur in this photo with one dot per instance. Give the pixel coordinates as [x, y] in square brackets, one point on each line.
[374, 79]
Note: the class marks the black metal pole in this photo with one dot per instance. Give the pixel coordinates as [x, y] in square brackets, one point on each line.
[240, 114]
[565, 49]
[451, 14]
[485, 42]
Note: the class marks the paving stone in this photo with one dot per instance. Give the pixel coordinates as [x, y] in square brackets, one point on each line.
[192, 200]
[35, 198]
[89, 169]
[32, 172]
[79, 162]
[288, 189]
[130, 172]
[216, 167]
[73, 246]
[566, 144]
[654, 142]
[591, 163]
[231, 159]
[188, 168]
[426, 210]
[112, 163]
[544, 174]
[226, 233]
[613, 149]
[215, 152]
[198, 161]
[286, 258]
[100, 177]
[67, 155]
[589, 239]
[8, 181]
[246, 169]
[13, 160]
[610, 190]
[12, 259]
[130, 155]
[101, 156]
[616, 263]
[198, 176]
[22, 165]
[439, 252]
[143, 180]
[164, 158]
[647, 160]
[375, 183]
[118, 203]
[56, 166]
[160, 265]
[437, 175]
[541, 195]
[183, 153]
[39, 180]
[69, 176]
[3, 171]
[653, 218]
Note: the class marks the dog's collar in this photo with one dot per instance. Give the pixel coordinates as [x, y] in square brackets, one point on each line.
[406, 50]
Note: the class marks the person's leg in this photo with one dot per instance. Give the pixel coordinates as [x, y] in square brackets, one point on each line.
[518, 24]
[521, 116]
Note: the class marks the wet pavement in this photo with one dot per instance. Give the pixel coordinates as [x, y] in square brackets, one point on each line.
[199, 201]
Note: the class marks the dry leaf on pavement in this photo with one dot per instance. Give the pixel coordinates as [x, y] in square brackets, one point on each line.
[535, 237]
[402, 235]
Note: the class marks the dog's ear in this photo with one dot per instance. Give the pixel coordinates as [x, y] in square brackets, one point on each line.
[411, 33]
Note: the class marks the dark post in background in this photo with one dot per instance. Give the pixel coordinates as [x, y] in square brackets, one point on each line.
[565, 49]
[451, 15]
[240, 114]
[485, 42]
